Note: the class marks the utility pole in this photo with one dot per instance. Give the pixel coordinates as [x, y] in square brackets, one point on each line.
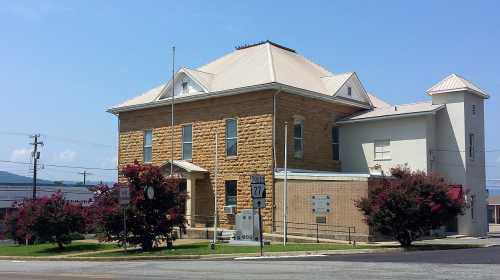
[85, 173]
[36, 157]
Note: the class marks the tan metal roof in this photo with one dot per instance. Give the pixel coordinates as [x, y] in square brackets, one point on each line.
[402, 110]
[260, 64]
[377, 102]
[456, 83]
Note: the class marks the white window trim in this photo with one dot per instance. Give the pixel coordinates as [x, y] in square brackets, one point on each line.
[298, 120]
[375, 158]
[182, 141]
[231, 138]
[144, 145]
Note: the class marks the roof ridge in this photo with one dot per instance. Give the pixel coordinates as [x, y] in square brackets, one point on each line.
[334, 74]
[413, 103]
[191, 69]
[272, 68]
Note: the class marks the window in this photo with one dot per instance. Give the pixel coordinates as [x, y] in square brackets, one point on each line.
[231, 192]
[472, 143]
[349, 91]
[473, 109]
[185, 87]
[148, 146]
[335, 143]
[298, 139]
[231, 137]
[382, 149]
[187, 142]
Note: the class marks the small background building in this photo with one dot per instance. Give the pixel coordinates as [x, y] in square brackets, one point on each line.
[494, 213]
[12, 192]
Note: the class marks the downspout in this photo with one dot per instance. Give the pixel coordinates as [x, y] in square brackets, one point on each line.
[274, 164]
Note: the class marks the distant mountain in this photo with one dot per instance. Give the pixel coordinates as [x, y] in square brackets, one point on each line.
[7, 177]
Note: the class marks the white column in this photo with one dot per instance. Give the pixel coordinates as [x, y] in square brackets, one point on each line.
[495, 214]
[191, 200]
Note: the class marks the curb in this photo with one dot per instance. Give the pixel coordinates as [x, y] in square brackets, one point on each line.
[203, 257]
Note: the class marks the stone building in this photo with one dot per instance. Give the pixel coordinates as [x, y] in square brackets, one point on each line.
[339, 137]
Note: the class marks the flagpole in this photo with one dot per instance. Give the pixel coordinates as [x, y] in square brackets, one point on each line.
[285, 187]
[172, 115]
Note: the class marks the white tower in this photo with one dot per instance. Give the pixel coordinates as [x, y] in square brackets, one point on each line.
[460, 150]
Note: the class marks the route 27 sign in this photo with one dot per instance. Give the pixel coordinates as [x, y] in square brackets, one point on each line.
[258, 188]
[258, 185]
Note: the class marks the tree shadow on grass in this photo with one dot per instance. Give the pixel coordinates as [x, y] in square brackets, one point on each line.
[72, 248]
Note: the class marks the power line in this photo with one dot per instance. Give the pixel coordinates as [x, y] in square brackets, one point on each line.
[14, 133]
[61, 166]
[59, 138]
[71, 140]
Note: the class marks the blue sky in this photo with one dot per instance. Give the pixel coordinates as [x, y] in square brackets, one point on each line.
[62, 63]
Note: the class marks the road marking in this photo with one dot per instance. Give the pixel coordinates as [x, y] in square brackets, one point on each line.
[277, 257]
[18, 261]
[56, 275]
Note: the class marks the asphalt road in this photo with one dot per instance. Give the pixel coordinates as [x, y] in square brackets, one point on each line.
[489, 255]
[468, 264]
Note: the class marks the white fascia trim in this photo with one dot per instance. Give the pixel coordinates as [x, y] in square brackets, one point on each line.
[202, 96]
[388, 117]
[323, 177]
[483, 95]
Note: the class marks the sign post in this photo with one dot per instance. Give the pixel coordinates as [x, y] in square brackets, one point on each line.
[258, 188]
[124, 200]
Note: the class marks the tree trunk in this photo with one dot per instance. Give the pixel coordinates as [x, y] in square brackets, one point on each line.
[59, 244]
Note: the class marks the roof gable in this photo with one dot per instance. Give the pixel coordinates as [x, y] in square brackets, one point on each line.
[194, 80]
[453, 83]
[341, 84]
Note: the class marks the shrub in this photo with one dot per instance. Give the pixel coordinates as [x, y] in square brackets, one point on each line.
[47, 219]
[409, 204]
[148, 221]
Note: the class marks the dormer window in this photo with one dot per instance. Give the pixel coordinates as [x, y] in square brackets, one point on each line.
[184, 87]
[349, 91]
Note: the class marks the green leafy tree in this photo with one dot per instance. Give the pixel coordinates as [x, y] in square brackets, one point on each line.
[409, 204]
[149, 221]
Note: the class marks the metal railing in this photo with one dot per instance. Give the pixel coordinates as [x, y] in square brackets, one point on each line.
[316, 229]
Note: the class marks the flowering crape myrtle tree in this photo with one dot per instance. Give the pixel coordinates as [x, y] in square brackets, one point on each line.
[47, 219]
[409, 204]
[149, 221]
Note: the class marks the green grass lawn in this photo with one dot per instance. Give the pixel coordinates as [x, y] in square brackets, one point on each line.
[202, 248]
[52, 249]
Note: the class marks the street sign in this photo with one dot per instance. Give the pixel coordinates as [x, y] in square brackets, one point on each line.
[321, 204]
[124, 195]
[258, 186]
[259, 203]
